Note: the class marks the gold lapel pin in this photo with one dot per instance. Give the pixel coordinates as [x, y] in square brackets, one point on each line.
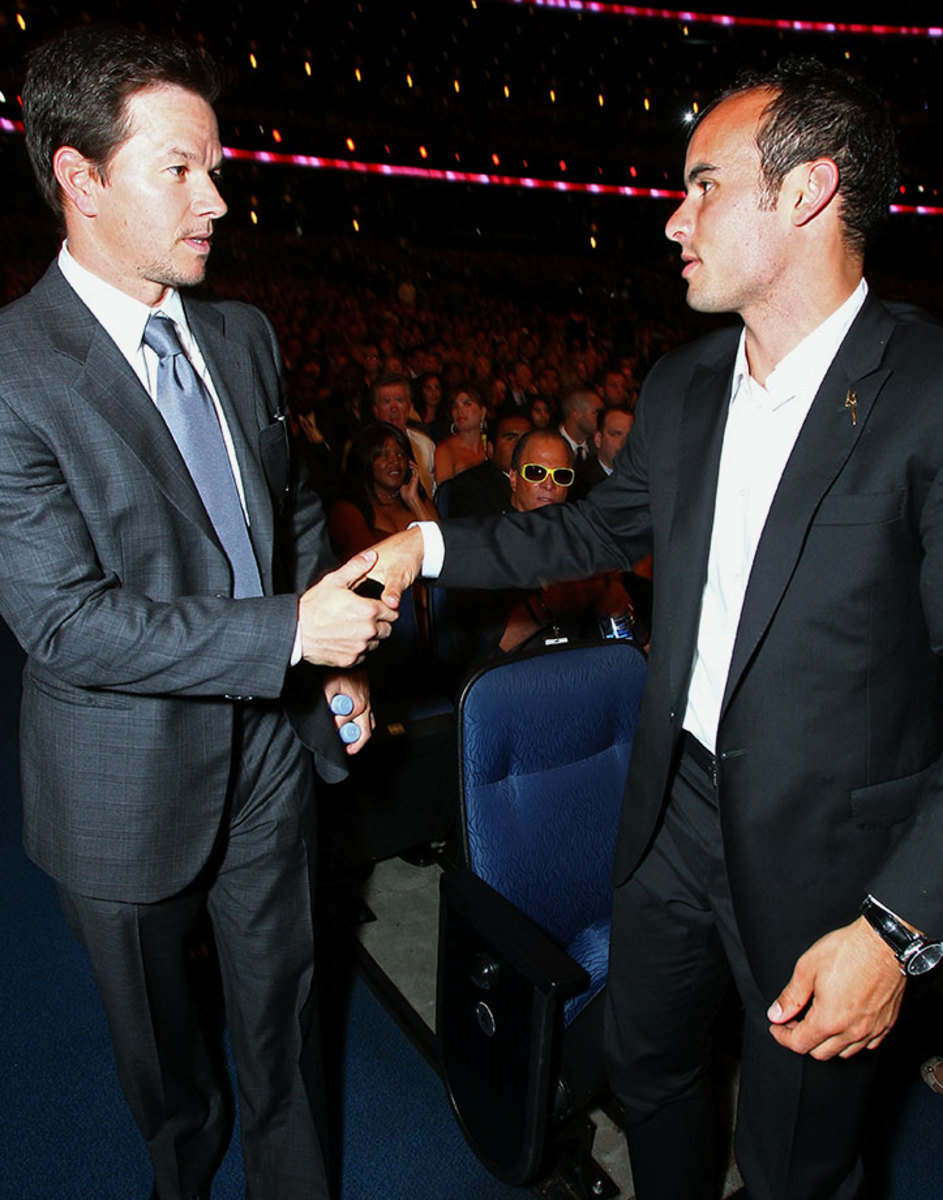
[851, 401]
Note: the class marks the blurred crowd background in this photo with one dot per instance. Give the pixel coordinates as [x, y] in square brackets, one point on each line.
[377, 249]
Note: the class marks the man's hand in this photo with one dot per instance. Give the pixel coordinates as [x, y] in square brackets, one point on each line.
[352, 684]
[338, 627]
[855, 987]
[399, 563]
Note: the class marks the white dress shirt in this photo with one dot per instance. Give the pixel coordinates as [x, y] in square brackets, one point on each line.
[763, 424]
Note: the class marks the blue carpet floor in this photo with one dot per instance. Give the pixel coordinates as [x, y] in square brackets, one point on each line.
[64, 1131]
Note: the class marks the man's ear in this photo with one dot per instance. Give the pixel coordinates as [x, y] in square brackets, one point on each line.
[489, 449]
[79, 179]
[816, 187]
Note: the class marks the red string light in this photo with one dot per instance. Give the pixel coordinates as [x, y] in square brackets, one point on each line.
[784, 24]
[317, 163]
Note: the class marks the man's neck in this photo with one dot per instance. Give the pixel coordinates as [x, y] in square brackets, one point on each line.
[773, 330]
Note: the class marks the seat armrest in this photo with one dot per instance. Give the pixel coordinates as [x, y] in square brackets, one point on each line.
[512, 935]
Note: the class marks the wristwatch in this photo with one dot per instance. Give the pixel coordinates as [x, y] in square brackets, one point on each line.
[915, 954]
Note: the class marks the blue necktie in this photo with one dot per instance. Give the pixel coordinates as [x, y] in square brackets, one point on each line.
[188, 409]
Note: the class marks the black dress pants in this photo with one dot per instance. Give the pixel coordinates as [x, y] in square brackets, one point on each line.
[257, 894]
[675, 947]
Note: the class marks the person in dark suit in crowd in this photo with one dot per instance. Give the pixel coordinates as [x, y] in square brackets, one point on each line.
[612, 428]
[783, 823]
[485, 490]
[579, 409]
[164, 566]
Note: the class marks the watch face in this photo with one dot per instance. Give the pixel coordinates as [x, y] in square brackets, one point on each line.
[925, 959]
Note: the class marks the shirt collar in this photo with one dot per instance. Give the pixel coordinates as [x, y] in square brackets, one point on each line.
[804, 367]
[122, 317]
[574, 445]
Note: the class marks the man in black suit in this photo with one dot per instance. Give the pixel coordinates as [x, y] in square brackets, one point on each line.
[485, 490]
[159, 559]
[783, 823]
[612, 428]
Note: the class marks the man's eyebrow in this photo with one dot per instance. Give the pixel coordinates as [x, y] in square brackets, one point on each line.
[698, 170]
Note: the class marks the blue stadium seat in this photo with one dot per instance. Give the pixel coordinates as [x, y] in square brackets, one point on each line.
[545, 741]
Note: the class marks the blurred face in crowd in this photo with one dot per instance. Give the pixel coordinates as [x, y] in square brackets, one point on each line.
[392, 403]
[547, 450]
[548, 383]
[614, 388]
[585, 414]
[610, 440]
[540, 414]
[431, 393]
[466, 412]
[499, 393]
[390, 467]
[510, 430]
[481, 366]
[523, 377]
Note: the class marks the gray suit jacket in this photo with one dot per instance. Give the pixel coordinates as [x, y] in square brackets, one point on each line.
[831, 732]
[113, 580]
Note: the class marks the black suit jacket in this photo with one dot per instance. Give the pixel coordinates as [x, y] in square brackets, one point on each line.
[481, 491]
[589, 472]
[113, 580]
[831, 730]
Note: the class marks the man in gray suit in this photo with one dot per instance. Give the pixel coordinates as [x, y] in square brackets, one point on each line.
[166, 609]
[783, 822]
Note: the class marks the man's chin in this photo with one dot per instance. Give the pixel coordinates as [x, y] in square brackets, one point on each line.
[704, 302]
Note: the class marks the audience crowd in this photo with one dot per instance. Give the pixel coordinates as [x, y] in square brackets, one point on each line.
[408, 367]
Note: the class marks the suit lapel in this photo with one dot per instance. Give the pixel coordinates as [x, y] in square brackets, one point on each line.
[230, 366]
[108, 385]
[827, 438]
[701, 435]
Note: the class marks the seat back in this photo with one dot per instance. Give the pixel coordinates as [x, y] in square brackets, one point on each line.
[545, 740]
[443, 495]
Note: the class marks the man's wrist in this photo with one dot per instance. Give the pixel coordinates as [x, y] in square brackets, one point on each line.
[915, 953]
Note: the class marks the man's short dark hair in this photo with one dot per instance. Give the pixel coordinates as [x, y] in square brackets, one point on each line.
[604, 413]
[388, 379]
[820, 112]
[520, 446]
[577, 398]
[78, 86]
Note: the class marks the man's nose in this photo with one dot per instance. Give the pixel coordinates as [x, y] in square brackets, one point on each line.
[208, 202]
[677, 226]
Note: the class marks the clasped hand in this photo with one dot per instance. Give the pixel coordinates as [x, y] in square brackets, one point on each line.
[398, 563]
[338, 627]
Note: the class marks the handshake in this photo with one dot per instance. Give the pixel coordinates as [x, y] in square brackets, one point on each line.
[352, 609]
